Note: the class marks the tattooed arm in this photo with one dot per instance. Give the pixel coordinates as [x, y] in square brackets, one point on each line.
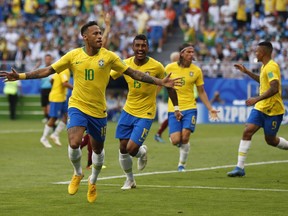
[140, 76]
[36, 74]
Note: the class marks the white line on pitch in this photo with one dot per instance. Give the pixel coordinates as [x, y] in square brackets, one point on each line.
[187, 170]
[203, 187]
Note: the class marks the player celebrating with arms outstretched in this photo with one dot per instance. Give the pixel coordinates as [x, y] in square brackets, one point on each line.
[91, 66]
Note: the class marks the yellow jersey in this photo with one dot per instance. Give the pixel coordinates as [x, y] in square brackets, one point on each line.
[191, 76]
[91, 77]
[141, 98]
[273, 105]
[58, 91]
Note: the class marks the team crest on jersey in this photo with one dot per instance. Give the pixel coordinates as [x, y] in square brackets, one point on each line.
[191, 73]
[101, 63]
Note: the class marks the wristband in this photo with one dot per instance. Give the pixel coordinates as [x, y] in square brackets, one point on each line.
[22, 76]
[176, 108]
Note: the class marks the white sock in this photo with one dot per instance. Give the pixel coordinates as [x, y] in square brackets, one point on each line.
[126, 164]
[242, 152]
[46, 131]
[97, 163]
[75, 158]
[61, 125]
[184, 151]
[141, 152]
[283, 144]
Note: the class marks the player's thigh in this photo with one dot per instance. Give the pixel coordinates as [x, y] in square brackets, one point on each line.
[189, 120]
[76, 125]
[140, 130]
[96, 128]
[272, 125]
[175, 128]
[125, 126]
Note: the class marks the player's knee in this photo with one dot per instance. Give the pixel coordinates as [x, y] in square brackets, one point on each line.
[132, 149]
[271, 141]
[175, 141]
[74, 145]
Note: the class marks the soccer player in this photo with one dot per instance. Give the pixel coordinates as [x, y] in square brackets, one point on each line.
[191, 74]
[139, 110]
[268, 106]
[58, 108]
[46, 89]
[174, 57]
[91, 66]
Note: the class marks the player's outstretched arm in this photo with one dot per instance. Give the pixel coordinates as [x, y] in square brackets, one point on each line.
[105, 37]
[243, 69]
[213, 114]
[143, 77]
[36, 74]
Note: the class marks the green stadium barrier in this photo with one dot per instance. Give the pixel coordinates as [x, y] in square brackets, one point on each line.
[28, 107]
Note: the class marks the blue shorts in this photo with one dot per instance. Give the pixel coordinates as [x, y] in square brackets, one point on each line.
[270, 124]
[57, 109]
[156, 33]
[134, 128]
[188, 121]
[96, 127]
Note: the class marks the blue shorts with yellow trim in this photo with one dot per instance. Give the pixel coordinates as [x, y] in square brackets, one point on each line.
[134, 128]
[96, 127]
[188, 121]
[270, 124]
[57, 109]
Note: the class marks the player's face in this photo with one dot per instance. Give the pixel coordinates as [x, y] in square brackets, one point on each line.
[93, 37]
[188, 54]
[259, 53]
[140, 48]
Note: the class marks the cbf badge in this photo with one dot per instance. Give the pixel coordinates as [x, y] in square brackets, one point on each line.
[101, 63]
[191, 73]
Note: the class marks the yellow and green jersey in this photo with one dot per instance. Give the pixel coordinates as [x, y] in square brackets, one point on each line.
[191, 76]
[141, 98]
[58, 91]
[91, 76]
[273, 105]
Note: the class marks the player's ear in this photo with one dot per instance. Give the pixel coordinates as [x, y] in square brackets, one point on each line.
[84, 36]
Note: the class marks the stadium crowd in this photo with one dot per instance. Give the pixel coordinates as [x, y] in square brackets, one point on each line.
[223, 31]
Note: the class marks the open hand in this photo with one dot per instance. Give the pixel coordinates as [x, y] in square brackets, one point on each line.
[213, 116]
[9, 76]
[171, 83]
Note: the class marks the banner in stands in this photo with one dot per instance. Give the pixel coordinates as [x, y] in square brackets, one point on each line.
[229, 113]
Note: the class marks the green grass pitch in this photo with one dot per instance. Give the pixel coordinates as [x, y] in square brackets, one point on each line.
[34, 179]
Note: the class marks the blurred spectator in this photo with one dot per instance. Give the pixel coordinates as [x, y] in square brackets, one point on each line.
[30, 9]
[256, 22]
[281, 13]
[217, 98]
[214, 13]
[158, 24]
[11, 37]
[188, 31]
[11, 90]
[226, 13]
[142, 18]
[241, 15]
[171, 16]
[269, 7]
